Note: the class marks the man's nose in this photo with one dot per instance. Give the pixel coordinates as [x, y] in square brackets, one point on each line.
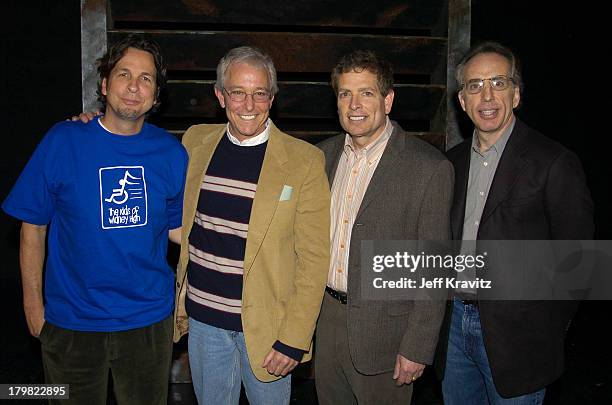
[249, 102]
[487, 90]
[133, 85]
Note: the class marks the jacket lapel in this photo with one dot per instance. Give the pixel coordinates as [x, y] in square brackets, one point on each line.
[510, 167]
[461, 164]
[199, 159]
[269, 187]
[394, 148]
[332, 159]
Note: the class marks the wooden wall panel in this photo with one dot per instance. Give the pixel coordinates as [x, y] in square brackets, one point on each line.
[397, 14]
[297, 100]
[305, 38]
[294, 52]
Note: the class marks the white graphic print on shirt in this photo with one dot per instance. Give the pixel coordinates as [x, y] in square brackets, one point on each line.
[123, 197]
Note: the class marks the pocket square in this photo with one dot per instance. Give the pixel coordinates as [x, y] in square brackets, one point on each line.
[286, 193]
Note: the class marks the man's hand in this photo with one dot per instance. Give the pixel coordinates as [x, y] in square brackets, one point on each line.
[406, 371]
[278, 364]
[85, 117]
[182, 324]
[175, 235]
[35, 316]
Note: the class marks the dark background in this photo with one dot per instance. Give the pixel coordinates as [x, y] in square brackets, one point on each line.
[563, 68]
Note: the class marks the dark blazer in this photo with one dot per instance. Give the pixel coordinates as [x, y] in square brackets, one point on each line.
[409, 197]
[538, 193]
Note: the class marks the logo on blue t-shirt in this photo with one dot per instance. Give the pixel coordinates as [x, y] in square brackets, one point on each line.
[123, 196]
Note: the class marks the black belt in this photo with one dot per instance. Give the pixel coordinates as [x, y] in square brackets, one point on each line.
[467, 300]
[470, 302]
[337, 295]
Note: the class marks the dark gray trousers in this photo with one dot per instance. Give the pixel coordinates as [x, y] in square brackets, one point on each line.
[337, 380]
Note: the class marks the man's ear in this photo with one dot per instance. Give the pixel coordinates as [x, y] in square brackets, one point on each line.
[103, 87]
[516, 97]
[461, 100]
[389, 101]
[219, 94]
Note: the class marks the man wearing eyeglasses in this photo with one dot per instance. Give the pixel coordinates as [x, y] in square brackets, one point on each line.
[255, 243]
[511, 183]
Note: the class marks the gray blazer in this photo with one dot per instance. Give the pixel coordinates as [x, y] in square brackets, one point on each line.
[409, 198]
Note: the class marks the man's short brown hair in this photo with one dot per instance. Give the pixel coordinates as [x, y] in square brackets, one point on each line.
[360, 60]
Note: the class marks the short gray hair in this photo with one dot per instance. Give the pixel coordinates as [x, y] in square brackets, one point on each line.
[251, 56]
[496, 48]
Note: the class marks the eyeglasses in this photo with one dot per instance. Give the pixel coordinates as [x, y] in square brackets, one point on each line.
[498, 83]
[237, 95]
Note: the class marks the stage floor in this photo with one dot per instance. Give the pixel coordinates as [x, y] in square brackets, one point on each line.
[587, 380]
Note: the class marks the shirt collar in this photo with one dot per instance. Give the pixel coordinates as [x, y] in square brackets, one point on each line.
[384, 137]
[102, 125]
[499, 145]
[253, 141]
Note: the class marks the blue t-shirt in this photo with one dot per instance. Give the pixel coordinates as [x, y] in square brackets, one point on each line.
[109, 201]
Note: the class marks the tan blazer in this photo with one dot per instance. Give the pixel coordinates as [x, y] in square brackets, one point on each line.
[287, 249]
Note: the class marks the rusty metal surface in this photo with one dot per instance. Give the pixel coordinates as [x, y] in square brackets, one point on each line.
[93, 46]
[459, 27]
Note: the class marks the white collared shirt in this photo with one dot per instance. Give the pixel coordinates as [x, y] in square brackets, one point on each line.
[253, 141]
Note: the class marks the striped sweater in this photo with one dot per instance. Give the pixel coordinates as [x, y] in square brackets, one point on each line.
[217, 240]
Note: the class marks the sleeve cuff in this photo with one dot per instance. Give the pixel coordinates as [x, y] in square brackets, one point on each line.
[295, 354]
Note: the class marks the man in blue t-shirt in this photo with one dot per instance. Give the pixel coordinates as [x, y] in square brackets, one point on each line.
[109, 194]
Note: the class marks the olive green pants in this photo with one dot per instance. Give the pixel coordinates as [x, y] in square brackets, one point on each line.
[138, 361]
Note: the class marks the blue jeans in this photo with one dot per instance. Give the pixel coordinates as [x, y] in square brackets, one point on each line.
[467, 378]
[219, 364]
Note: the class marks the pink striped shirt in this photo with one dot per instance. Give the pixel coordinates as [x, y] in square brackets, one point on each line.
[353, 175]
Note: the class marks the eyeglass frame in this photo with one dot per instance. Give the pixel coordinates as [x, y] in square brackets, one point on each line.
[490, 79]
[268, 95]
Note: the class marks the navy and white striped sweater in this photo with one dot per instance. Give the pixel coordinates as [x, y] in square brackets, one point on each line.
[217, 240]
